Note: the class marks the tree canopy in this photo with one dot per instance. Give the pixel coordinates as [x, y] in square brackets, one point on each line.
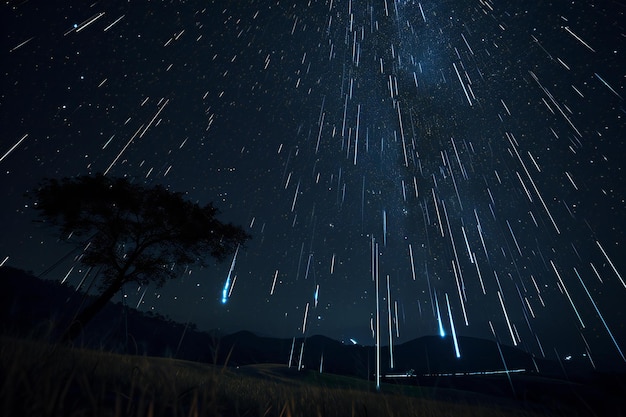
[131, 232]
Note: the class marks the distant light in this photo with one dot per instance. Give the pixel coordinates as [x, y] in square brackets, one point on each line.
[504, 371]
[353, 342]
[568, 358]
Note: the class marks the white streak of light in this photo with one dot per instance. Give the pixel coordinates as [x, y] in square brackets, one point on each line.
[468, 46]
[505, 107]
[412, 263]
[569, 177]
[532, 278]
[438, 215]
[456, 343]
[319, 135]
[608, 86]
[396, 315]
[22, 44]
[406, 161]
[578, 91]
[611, 263]
[295, 197]
[467, 245]
[154, 118]
[508, 322]
[122, 151]
[461, 292]
[545, 207]
[480, 276]
[390, 329]
[116, 20]
[306, 313]
[568, 30]
[596, 272]
[13, 147]
[384, 228]
[141, 298]
[524, 186]
[293, 345]
[67, 275]
[356, 140]
[514, 238]
[301, 355]
[567, 293]
[462, 85]
[532, 313]
[274, 282]
[89, 22]
[422, 10]
[600, 315]
[375, 253]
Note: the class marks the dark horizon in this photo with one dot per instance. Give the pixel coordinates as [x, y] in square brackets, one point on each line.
[155, 332]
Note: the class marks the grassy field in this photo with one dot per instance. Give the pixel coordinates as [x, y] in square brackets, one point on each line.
[40, 379]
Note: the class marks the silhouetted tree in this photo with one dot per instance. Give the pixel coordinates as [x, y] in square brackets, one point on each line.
[132, 233]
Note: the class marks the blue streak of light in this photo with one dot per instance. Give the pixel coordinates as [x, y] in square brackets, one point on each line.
[230, 272]
[225, 290]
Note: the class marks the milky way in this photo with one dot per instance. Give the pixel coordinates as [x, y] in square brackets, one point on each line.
[465, 156]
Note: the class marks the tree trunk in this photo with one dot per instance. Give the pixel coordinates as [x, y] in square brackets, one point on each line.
[89, 312]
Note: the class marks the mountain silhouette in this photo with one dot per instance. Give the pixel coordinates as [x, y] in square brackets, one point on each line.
[34, 307]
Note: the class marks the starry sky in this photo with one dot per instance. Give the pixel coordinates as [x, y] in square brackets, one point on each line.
[466, 156]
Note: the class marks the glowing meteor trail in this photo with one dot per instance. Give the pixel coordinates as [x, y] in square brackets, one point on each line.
[595, 306]
[607, 85]
[304, 321]
[89, 22]
[611, 263]
[412, 262]
[375, 272]
[456, 343]
[569, 297]
[13, 147]
[578, 38]
[462, 84]
[227, 285]
[508, 322]
[274, 282]
[18, 46]
[391, 364]
[442, 332]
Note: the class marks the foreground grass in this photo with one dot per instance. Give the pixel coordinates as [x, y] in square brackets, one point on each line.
[39, 379]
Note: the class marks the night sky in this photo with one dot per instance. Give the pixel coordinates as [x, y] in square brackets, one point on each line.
[467, 155]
